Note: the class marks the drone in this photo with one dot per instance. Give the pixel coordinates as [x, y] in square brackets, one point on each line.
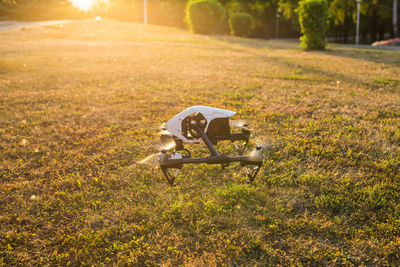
[209, 125]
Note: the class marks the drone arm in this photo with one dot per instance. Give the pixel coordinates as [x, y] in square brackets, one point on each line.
[207, 141]
[245, 161]
[221, 159]
[233, 137]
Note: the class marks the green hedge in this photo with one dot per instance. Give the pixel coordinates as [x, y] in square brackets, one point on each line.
[241, 24]
[313, 18]
[205, 16]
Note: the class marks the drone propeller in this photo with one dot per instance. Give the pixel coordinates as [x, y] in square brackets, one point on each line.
[253, 154]
[149, 126]
[165, 132]
[239, 123]
[166, 143]
[151, 160]
[263, 146]
[257, 142]
[168, 146]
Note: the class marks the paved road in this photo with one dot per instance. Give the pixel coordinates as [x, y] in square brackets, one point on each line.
[386, 47]
[12, 24]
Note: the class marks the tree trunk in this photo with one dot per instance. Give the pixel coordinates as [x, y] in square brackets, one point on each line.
[346, 29]
[395, 23]
[364, 34]
[336, 34]
[373, 27]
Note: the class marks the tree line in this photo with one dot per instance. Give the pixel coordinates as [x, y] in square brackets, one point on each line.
[272, 18]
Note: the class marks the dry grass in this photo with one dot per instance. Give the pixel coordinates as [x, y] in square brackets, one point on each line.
[75, 103]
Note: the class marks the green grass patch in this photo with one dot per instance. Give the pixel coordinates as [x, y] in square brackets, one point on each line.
[78, 106]
[386, 81]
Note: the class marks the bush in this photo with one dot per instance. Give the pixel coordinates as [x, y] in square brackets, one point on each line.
[205, 16]
[241, 24]
[313, 18]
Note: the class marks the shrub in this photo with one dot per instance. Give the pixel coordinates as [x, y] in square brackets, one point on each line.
[313, 19]
[205, 16]
[241, 24]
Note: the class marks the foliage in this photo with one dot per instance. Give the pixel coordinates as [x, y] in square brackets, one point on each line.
[287, 8]
[340, 9]
[205, 16]
[241, 24]
[376, 22]
[262, 13]
[313, 19]
[38, 10]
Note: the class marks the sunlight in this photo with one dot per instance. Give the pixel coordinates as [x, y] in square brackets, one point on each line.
[84, 5]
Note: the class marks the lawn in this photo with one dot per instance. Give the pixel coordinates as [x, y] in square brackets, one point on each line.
[78, 105]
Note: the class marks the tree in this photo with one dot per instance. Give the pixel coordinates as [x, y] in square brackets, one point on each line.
[313, 19]
[342, 12]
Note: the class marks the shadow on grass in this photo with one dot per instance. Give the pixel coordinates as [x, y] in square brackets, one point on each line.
[369, 55]
[259, 43]
[325, 75]
[389, 57]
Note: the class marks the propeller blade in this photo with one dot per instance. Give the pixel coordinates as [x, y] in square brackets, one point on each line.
[258, 142]
[264, 146]
[252, 154]
[149, 126]
[238, 123]
[256, 155]
[151, 160]
[165, 132]
[168, 146]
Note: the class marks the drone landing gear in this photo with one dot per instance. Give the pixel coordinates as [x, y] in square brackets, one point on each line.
[170, 177]
[252, 173]
[251, 163]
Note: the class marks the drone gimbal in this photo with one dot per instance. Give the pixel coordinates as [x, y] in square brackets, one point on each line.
[210, 125]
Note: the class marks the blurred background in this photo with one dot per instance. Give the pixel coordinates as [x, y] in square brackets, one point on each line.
[272, 18]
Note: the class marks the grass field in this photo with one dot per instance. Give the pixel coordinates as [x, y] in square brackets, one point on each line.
[77, 105]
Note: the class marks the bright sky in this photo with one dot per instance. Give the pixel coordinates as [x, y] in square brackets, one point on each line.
[83, 4]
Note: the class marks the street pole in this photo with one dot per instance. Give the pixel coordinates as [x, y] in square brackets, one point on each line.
[145, 11]
[395, 28]
[358, 21]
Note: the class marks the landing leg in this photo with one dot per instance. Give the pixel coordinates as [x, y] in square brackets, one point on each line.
[252, 173]
[170, 178]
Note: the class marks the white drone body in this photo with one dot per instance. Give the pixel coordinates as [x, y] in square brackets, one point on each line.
[174, 125]
[210, 125]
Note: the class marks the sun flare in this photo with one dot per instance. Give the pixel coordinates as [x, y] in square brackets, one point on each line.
[84, 5]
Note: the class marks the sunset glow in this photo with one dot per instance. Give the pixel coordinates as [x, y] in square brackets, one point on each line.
[84, 5]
